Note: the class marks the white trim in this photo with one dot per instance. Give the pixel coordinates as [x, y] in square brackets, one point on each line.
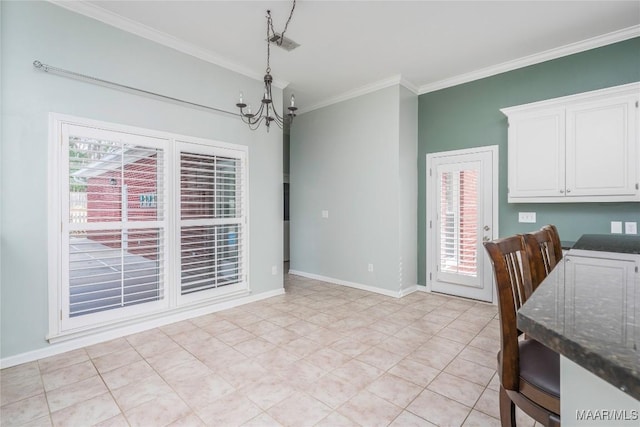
[536, 58]
[84, 341]
[368, 288]
[362, 90]
[144, 31]
[425, 290]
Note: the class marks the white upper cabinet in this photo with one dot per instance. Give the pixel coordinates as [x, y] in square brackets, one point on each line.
[578, 148]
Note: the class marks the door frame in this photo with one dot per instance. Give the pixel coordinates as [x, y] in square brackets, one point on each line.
[430, 207]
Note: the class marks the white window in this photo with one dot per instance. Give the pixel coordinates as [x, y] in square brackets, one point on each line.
[143, 223]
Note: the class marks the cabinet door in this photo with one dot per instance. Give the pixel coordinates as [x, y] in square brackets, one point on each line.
[602, 158]
[537, 154]
[616, 289]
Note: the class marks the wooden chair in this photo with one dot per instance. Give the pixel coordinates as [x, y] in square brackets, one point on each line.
[555, 238]
[529, 372]
[542, 255]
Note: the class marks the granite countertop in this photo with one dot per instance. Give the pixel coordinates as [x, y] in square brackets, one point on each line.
[588, 310]
[621, 243]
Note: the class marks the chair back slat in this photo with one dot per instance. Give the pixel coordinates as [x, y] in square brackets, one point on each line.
[514, 285]
[542, 255]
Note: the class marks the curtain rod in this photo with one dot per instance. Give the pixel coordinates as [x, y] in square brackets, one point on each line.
[60, 71]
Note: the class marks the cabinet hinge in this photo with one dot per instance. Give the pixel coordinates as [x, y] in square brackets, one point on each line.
[437, 268]
[636, 268]
[430, 277]
[636, 104]
[60, 314]
[637, 186]
[430, 172]
[430, 224]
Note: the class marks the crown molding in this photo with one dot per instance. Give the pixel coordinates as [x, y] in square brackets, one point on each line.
[547, 55]
[362, 90]
[107, 17]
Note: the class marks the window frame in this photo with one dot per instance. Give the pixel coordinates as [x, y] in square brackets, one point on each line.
[60, 326]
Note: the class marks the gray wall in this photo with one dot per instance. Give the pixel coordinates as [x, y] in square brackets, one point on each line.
[42, 31]
[346, 158]
[468, 115]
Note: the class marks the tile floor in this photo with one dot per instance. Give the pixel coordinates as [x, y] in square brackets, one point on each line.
[321, 355]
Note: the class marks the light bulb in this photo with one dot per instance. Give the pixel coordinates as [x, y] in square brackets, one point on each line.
[293, 101]
[240, 100]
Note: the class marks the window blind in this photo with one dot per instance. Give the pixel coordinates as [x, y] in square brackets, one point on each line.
[115, 232]
[212, 220]
[459, 222]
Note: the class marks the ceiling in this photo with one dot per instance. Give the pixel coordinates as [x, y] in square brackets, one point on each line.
[349, 47]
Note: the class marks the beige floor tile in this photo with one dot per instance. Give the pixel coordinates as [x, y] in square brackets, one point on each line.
[115, 360]
[407, 419]
[262, 420]
[71, 394]
[302, 374]
[39, 422]
[145, 337]
[335, 419]
[62, 360]
[24, 411]
[394, 389]
[166, 360]
[127, 374]
[414, 372]
[280, 336]
[117, 421]
[327, 359]
[243, 373]
[470, 371]
[235, 336]
[301, 346]
[203, 391]
[276, 359]
[494, 384]
[479, 419]
[68, 375]
[231, 410]
[160, 345]
[370, 410]
[260, 328]
[333, 390]
[193, 336]
[432, 357]
[178, 328]
[191, 420]
[268, 391]
[368, 335]
[399, 346]
[299, 410]
[191, 369]
[457, 389]
[88, 412]
[488, 403]
[359, 373]
[139, 392]
[481, 357]
[380, 358]
[438, 409]
[463, 337]
[484, 343]
[217, 360]
[97, 350]
[350, 346]
[158, 412]
[18, 387]
[254, 347]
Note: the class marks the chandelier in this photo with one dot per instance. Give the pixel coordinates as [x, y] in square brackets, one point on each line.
[267, 113]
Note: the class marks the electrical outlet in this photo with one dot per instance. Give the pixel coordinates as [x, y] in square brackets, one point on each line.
[630, 228]
[370, 268]
[325, 214]
[529, 217]
[274, 270]
[616, 227]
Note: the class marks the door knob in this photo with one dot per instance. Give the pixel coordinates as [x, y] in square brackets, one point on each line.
[486, 238]
[487, 228]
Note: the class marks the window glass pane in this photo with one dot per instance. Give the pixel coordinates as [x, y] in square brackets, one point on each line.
[113, 268]
[111, 181]
[459, 222]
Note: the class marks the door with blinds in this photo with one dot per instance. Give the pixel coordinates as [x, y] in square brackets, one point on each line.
[460, 216]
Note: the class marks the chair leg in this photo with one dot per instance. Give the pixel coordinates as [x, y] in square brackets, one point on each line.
[507, 410]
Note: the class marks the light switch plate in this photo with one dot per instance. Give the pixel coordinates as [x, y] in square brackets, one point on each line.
[527, 217]
[325, 214]
[630, 228]
[616, 227]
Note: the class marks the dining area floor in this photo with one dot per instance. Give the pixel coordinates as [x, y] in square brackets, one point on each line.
[319, 355]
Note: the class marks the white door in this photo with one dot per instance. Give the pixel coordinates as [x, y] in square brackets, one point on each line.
[461, 214]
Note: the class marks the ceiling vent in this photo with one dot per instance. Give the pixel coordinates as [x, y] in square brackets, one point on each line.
[287, 44]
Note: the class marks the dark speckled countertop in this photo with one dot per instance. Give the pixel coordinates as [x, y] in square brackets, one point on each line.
[622, 243]
[588, 310]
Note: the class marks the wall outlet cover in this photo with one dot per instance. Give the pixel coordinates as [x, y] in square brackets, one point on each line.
[616, 227]
[529, 217]
[325, 214]
[630, 228]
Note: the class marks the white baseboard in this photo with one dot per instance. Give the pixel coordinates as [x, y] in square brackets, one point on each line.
[75, 343]
[398, 294]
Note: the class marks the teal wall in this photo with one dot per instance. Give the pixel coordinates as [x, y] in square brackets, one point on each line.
[468, 115]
